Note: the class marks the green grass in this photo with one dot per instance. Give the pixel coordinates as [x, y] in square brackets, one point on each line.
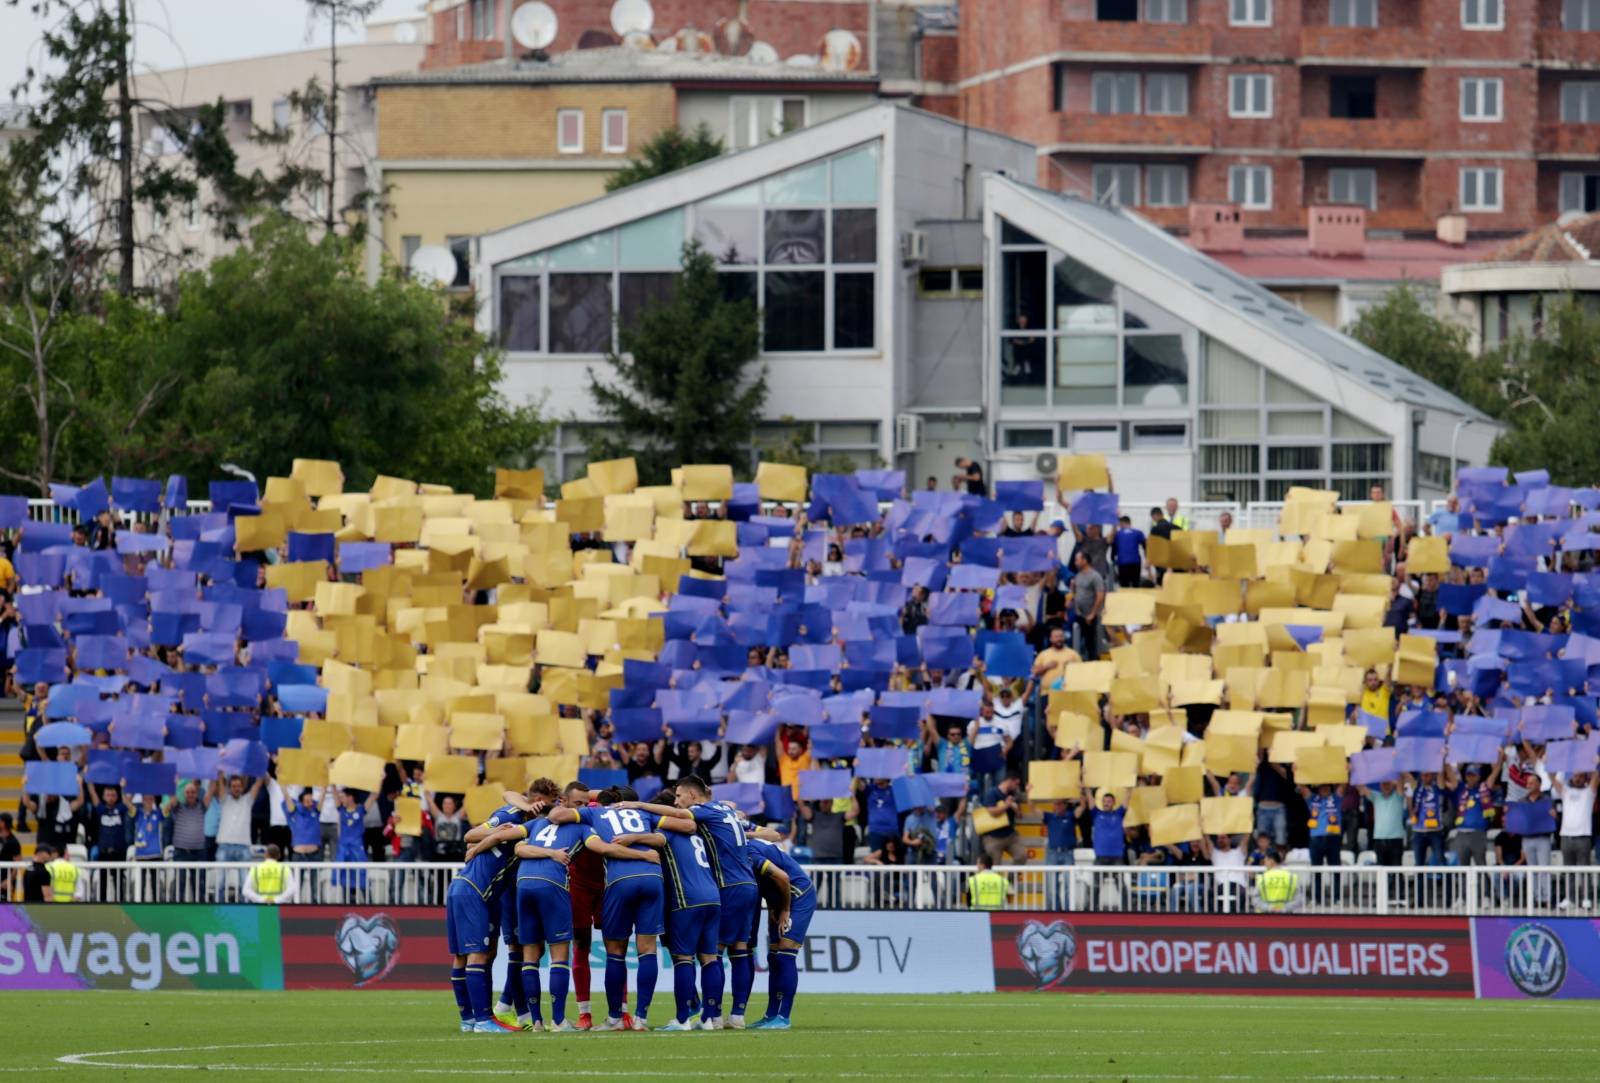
[325, 1035]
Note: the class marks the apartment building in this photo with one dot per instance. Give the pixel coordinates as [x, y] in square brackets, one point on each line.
[1412, 109]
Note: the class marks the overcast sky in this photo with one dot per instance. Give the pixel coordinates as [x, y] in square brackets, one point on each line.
[172, 33]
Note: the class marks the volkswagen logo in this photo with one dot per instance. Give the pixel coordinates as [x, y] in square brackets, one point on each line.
[369, 947]
[1536, 960]
[1048, 951]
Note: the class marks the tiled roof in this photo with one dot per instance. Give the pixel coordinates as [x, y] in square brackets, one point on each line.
[1568, 240]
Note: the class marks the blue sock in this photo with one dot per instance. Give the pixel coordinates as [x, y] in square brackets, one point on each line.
[458, 985]
[616, 984]
[560, 976]
[478, 992]
[744, 978]
[530, 991]
[683, 987]
[786, 976]
[774, 987]
[519, 1000]
[649, 971]
[711, 977]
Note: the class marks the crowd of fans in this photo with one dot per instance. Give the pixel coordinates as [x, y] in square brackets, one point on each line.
[877, 672]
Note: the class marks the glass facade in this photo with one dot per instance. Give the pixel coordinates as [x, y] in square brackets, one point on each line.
[802, 245]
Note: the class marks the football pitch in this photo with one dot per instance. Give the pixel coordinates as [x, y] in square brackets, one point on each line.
[377, 1035]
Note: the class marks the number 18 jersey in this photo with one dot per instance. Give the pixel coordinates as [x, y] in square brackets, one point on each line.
[609, 823]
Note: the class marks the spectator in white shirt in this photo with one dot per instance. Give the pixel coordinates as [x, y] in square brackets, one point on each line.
[1577, 815]
[750, 765]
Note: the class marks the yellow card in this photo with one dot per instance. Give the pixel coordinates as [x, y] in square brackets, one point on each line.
[519, 484]
[482, 801]
[1090, 677]
[560, 649]
[708, 482]
[1113, 770]
[326, 739]
[1143, 803]
[1318, 764]
[408, 816]
[478, 732]
[418, 742]
[1130, 607]
[1230, 752]
[1233, 561]
[301, 767]
[1287, 744]
[450, 774]
[1376, 520]
[780, 481]
[1174, 824]
[1077, 731]
[984, 821]
[1133, 695]
[1425, 555]
[1227, 815]
[1051, 780]
[614, 476]
[253, 533]
[1079, 472]
[1184, 785]
[318, 477]
[357, 771]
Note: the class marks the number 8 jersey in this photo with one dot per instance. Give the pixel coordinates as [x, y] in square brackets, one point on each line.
[608, 823]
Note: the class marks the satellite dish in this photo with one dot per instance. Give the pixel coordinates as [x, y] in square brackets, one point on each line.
[691, 40]
[762, 53]
[667, 45]
[405, 34]
[628, 16]
[803, 60]
[433, 264]
[733, 36]
[639, 40]
[534, 25]
[841, 50]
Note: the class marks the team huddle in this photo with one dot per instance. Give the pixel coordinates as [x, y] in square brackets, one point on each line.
[552, 864]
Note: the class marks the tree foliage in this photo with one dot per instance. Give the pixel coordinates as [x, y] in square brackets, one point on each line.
[1544, 387]
[669, 151]
[681, 391]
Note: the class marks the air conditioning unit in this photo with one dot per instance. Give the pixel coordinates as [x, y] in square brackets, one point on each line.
[1046, 464]
[913, 246]
[907, 434]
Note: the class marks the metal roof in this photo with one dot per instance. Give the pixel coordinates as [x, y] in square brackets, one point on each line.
[1186, 268]
[618, 64]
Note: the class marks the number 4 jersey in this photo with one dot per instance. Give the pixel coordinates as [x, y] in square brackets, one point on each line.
[609, 823]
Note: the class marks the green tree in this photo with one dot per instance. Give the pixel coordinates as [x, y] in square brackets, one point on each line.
[1404, 327]
[682, 390]
[1547, 387]
[284, 350]
[794, 449]
[669, 151]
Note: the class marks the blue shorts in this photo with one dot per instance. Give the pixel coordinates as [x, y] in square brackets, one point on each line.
[632, 905]
[800, 912]
[693, 930]
[508, 917]
[467, 924]
[741, 906]
[544, 912]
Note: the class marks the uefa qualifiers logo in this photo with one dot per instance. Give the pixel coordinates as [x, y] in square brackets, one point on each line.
[369, 947]
[1536, 960]
[1049, 952]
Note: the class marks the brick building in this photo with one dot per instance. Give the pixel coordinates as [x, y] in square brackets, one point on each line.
[1413, 108]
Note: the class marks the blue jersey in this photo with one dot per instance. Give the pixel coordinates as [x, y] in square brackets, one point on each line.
[764, 853]
[1107, 834]
[689, 877]
[608, 823]
[723, 833]
[568, 837]
[305, 825]
[147, 825]
[352, 825]
[1325, 814]
[489, 872]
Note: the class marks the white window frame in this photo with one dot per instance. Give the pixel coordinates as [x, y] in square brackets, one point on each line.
[1252, 109]
[1587, 11]
[191, 216]
[1354, 10]
[1240, 181]
[1168, 12]
[754, 134]
[1472, 94]
[1587, 90]
[562, 144]
[1573, 182]
[1119, 170]
[1472, 12]
[606, 143]
[1249, 12]
[1164, 80]
[1116, 81]
[1166, 171]
[1478, 175]
[1351, 172]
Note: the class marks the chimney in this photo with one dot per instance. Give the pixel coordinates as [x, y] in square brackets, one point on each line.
[1337, 230]
[1452, 229]
[1216, 227]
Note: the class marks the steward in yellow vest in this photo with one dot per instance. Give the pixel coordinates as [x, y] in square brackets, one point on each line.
[271, 881]
[987, 889]
[1276, 886]
[63, 879]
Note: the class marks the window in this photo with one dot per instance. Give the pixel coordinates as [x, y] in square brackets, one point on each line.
[1027, 438]
[1151, 437]
[1580, 15]
[1250, 95]
[614, 131]
[408, 248]
[1116, 91]
[1482, 15]
[485, 23]
[1166, 186]
[1355, 186]
[1580, 102]
[1480, 99]
[1250, 187]
[854, 323]
[461, 249]
[1116, 184]
[280, 115]
[1353, 97]
[1353, 13]
[1480, 189]
[1580, 191]
[753, 121]
[1166, 11]
[1166, 94]
[1095, 438]
[944, 283]
[569, 131]
[519, 313]
[1116, 11]
[1250, 13]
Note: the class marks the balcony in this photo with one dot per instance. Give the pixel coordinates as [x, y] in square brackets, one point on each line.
[1385, 46]
[1178, 135]
[1383, 137]
[1154, 41]
[1577, 141]
[1567, 48]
